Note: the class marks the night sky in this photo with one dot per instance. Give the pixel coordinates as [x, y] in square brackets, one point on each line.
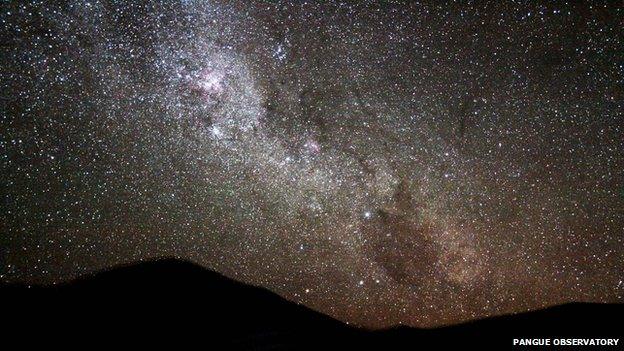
[409, 163]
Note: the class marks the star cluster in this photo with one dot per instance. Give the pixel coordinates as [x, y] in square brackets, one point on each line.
[390, 163]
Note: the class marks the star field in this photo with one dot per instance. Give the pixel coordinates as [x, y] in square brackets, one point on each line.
[391, 163]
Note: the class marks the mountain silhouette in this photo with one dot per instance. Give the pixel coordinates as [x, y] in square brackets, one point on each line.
[172, 303]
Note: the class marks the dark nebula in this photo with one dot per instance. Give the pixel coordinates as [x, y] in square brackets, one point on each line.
[411, 163]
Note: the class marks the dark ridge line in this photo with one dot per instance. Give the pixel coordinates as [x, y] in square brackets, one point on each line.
[190, 266]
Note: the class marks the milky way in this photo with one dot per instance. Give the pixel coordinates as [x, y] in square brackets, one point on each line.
[399, 163]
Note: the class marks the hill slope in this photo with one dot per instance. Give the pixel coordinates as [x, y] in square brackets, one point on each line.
[176, 303]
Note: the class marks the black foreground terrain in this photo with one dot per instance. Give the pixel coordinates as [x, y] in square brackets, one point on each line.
[176, 304]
